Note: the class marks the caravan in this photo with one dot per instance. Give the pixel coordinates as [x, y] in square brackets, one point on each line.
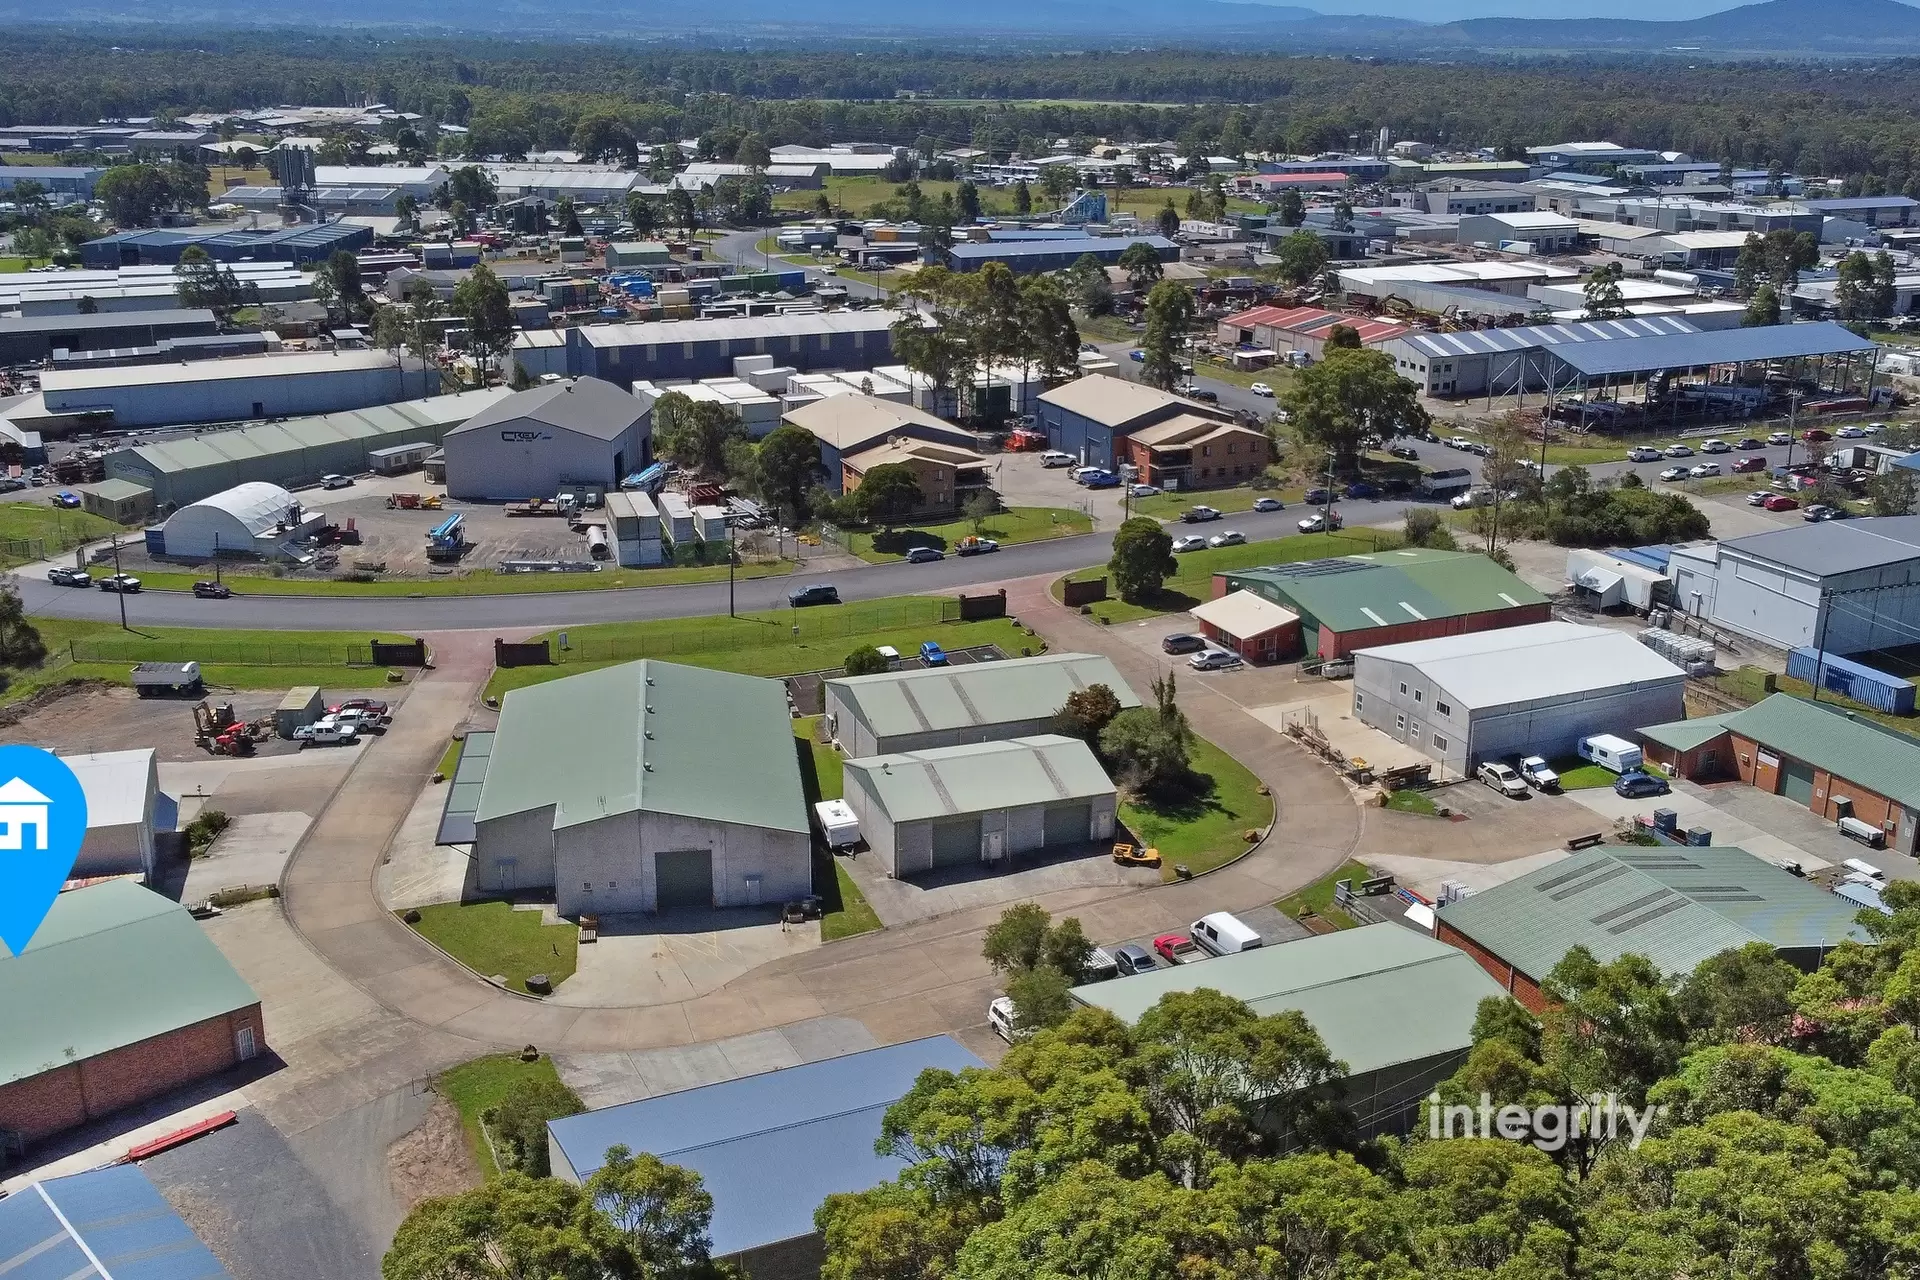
[1612, 753]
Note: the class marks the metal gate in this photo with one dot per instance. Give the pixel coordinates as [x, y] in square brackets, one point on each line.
[1796, 781]
[683, 878]
[956, 842]
[1068, 824]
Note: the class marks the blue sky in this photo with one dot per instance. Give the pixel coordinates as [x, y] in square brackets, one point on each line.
[1450, 10]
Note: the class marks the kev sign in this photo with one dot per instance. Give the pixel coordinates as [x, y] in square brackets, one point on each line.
[43, 821]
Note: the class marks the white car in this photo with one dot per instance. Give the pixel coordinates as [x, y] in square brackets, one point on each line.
[1054, 458]
[1267, 504]
[1458, 442]
[1643, 454]
[1705, 469]
[1502, 779]
[1874, 428]
[1213, 660]
[335, 482]
[1470, 499]
[1678, 451]
[1231, 538]
[1758, 498]
[1000, 1018]
[1192, 542]
[1850, 433]
[1715, 446]
[1674, 473]
[325, 732]
[1261, 389]
[1538, 773]
[1318, 523]
[1143, 490]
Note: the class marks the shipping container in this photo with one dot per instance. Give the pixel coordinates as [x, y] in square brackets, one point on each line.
[1877, 689]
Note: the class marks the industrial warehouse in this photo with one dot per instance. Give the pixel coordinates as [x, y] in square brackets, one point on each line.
[540, 441]
[1525, 690]
[1675, 906]
[899, 711]
[290, 453]
[624, 353]
[251, 520]
[646, 786]
[1384, 597]
[123, 813]
[1092, 416]
[235, 390]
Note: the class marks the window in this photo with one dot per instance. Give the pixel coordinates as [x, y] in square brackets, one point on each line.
[587, 885]
[1400, 722]
[1414, 737]
[1417, 694]
[1442, 708]
[1439, 743]
[1206, 451]
[1359, 700]
[1403, 686]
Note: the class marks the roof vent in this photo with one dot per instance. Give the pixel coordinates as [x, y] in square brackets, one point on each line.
[648, 766]
[649, 708]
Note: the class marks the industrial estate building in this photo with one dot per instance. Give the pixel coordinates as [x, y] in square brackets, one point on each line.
[537, 442]
[746, 1138]
[622, 353]
[236, 390]
[290, 453]
[1396, 1007]
[646, 786]
[986, 802]
[33, 339]
[1090, 416]
[1846, 586]
[1528, 690]
[1838, 764]
[84, 1041]
[1352, 602]
[1676, 906]
[1052, 253]
[110, 1222]
[249, 520]
[305, 245]
[123, 797]
[918, 710]
[853, 425]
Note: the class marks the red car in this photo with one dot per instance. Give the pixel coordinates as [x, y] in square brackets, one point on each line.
[1815, 436]
[1780, 502]
[369, 705]
[1177, 948]
[1750, 464]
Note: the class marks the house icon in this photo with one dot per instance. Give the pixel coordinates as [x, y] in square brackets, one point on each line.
[21, 807]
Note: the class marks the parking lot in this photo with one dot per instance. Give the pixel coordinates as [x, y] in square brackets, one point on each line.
[119, 720]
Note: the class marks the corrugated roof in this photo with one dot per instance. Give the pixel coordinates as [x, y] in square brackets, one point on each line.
[933, 699]
[1557, 337]
[115, 783]
[259, 507]
[1836, 546]
[1065, 244]
[105, 320]
[1534, 663]
[1044, 769]
[584, 406]
[463, 789]
[1114, 402]
[1851, 747]
[292, 365]
[110, 1223]
[647, 736]
[1720, 346]
[769, 1147]
[853, 421]
[1243, 614]
[1685, 735]
[1674, 905]
[1379, 995]
[1385, 588]
[76, 991]
[661, 333]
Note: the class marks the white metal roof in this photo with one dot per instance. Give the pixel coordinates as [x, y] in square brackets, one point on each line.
[257, 505]
[234, 367]
[1242, 614]
[1470, 342]
[115, 783]
[1533, 663]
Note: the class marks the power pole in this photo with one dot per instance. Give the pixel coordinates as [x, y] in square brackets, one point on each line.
[120, 587]
[730, 560]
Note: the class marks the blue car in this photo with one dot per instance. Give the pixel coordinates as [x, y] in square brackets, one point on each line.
[932, 655]
[1100, 480]
[1362, 491]
[1137, 356]
[1635, 784]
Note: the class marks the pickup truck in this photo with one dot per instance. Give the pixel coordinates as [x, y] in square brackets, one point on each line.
[326, 732]
[1178, 948]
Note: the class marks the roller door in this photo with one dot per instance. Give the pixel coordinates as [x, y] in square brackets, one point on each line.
[1068, 824]
[956, 842]
[683, 878]
[1796, 780]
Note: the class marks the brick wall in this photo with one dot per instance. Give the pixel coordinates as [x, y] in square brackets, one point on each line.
[1517, 984]
[1338, 644]
[86, 1090]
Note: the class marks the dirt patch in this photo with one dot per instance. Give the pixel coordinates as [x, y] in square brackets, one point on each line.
[433, 1159]
[19, 711]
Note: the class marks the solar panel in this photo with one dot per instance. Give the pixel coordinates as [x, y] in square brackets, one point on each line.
[1316, 568]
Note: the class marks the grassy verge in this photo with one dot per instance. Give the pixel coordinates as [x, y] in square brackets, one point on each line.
[1168, 506]
[477, 584]
[9, 265]
[1411, 802]
[473, 1087]
[32, 531]
[1206, 826]
[492, 938]
[450, 758]
[1280, 379]
[1015, 524]
[1748, 684]
[764, 644]
[1107, 329]
[845, 911]
[1578, 775]
[1318, 897]
[1192, 583]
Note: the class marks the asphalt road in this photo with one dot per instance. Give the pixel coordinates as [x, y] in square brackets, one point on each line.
[738, 248]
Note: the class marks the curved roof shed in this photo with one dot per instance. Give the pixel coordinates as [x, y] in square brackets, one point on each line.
[251, 517]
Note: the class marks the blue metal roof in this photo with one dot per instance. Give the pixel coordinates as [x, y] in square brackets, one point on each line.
[1723, 346]
[1470, 342]
[109, 1222]
[769, 1147]
[1653, 557]
[1002, 249]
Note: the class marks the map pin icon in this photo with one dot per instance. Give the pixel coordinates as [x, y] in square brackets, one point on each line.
[43, 821]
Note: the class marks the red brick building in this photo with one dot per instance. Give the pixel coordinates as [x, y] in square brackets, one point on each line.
[119, 999]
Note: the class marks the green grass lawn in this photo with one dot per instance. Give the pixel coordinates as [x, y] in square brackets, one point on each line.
[1411, 802]
[492, 938]
[473, 1087]
[450, 758]
[1015, 524]
[9, 265]
[1206, 827]
[845, 910]
[37, 530]
[1580, 775]
[469, 584]
[764, 644]
[1318, 896]
[1168, 506]
[1193, 582]
[829, 776]
[1748, 684]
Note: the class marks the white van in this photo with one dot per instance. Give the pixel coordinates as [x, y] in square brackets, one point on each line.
[1000, 1017]
[1612, 753]
[1055, 458]
[1223, 934]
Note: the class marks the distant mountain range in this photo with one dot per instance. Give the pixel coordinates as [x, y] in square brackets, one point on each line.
[1829, 28]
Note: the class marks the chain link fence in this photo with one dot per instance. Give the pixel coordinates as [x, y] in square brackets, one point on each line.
[793, 626]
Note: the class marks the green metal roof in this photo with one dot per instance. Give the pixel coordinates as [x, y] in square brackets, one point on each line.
[1851, 747]
[1044, 769]
[1388, 588]
[936, 698]
[1685, 735]
[115, 490]
[114, 964]
[647, 736]
[1379, 995]
[1674, 905]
